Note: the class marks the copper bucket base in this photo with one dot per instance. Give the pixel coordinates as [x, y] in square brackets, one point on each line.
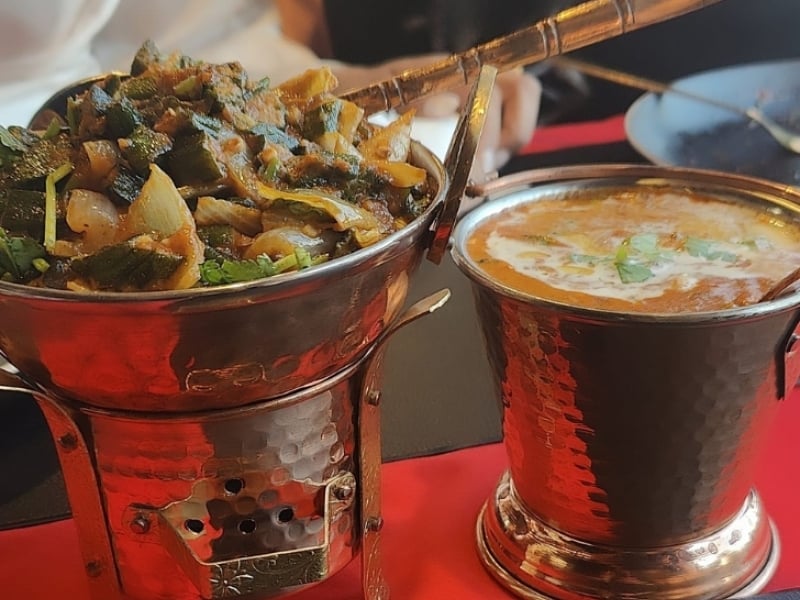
[537, 562]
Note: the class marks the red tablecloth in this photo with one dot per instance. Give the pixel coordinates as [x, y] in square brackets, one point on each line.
[565, 135]
[429, 504]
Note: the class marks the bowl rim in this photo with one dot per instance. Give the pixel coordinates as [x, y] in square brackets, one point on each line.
[419, 154]
[517, 188]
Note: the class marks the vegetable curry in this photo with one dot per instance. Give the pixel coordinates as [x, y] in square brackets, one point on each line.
[189, 174]
[638, 249]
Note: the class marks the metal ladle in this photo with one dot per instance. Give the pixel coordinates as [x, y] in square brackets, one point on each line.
[581, 25]
[783, 286]
[572, 28]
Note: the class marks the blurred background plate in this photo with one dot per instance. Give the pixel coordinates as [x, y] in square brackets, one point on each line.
[673, 130]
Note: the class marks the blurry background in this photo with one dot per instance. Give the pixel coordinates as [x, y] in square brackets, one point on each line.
[728, 33]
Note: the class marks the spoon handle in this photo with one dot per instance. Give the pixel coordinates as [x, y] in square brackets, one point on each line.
[581, 25]
[781, 286]
[642, 83]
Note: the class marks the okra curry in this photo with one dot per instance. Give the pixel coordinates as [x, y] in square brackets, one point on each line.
[190, 174]
[639, 249]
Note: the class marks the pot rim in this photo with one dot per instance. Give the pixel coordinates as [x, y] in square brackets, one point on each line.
[506, 191]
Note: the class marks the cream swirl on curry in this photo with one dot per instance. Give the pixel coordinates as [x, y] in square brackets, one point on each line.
[636, 249]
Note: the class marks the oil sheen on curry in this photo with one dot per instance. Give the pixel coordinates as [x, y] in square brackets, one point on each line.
[641, 250]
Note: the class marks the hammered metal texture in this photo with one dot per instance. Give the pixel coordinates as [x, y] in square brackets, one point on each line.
[633, 430]
[629, 433]
[741, 553]
[188, 499]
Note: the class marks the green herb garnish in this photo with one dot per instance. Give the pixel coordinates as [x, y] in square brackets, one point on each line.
[705, 249]
[19, 257]
[53, 129]
[587, 259]
[645, 243]
[40, 264]
[635, 256]
[303, 258]
[236, 271]
[50, 204]
[218, 272]
[630, 272]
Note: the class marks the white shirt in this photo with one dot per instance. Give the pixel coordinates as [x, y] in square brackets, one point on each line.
[47, 44]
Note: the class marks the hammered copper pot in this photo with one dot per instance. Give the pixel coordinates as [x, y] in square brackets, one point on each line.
[632, 438]
[225, 441]
[218, 347]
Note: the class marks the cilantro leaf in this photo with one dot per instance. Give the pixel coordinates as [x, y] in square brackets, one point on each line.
[701, 248]
[586, 259]
[645, 243]
[636, 255]
[17, 256]
[235, 271]
[216, 272]
[632, 272]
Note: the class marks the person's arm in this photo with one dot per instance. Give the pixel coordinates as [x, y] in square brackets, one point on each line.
[304, 22]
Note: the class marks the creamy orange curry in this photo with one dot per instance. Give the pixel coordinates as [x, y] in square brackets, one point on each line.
[654, 251]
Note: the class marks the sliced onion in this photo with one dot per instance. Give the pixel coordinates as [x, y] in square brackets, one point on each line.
[282, 241]
[103, 157]
[159, 209]
[214, 211]
[95, 216]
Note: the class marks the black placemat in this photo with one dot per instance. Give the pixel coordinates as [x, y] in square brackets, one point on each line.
[31, 487]
[617, 152]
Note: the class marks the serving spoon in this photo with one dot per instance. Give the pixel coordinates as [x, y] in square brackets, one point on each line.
[570, 29]
[784, 136]
[581, 25]
[782, 286]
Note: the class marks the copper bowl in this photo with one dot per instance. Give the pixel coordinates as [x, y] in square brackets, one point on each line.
[217, 347]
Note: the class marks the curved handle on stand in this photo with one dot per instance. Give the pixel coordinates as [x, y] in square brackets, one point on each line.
[789, 370]
[419, 309]
[369, 448]
[11, 382]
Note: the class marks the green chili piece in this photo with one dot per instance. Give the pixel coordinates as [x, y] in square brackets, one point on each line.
[50, 204]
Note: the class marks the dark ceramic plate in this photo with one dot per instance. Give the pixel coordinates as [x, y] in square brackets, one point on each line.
[673, 130]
